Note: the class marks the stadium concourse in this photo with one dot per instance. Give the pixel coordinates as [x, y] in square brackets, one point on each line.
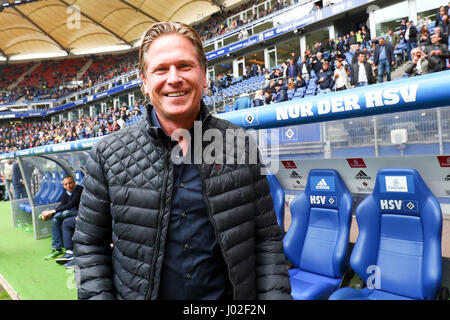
[75, 79]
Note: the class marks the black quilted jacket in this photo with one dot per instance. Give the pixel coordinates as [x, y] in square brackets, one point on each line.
[126, 201]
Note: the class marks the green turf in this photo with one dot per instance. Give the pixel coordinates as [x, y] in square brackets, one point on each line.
[22, 264]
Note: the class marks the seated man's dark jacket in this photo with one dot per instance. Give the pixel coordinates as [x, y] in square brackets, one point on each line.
[328, 81]
[70, 202]
[127, 200]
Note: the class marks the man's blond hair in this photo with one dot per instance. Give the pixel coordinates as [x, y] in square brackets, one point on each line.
[166, 27]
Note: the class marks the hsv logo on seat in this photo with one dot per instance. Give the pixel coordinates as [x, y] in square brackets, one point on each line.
[399, 205]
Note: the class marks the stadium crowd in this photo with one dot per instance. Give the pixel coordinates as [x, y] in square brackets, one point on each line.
[15, 137]
[104, 68]
[351, 60]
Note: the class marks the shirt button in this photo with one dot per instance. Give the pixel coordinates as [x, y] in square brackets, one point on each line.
[188, 276]
[186, 246]
[182, 184]
[184, 215]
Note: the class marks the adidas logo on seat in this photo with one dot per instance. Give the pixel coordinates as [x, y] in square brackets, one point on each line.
[322, 185]
[361, 175]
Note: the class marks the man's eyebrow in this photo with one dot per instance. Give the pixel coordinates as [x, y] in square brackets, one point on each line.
[179, 61]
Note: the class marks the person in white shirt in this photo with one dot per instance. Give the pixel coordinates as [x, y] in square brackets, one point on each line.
[340, 76]
[121, 123]
[362, 73]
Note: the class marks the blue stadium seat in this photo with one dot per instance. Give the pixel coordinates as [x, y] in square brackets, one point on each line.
[79, 175]
[278, 198]
[39, 197]
[318, 239]
[57, 187]
[398, 250]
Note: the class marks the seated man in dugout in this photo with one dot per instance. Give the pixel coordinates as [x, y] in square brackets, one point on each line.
[70, 200]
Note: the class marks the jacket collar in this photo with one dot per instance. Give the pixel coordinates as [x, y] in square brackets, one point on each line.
[154, 127]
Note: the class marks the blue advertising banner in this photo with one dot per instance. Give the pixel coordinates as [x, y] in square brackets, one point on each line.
[426, 91]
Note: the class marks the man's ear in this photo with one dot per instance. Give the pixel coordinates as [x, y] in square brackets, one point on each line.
[205, 81]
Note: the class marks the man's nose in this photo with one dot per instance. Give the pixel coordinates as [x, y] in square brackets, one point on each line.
[173, 76]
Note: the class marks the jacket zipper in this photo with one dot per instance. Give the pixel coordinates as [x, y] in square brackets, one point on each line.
[215, 233]
[151, 279]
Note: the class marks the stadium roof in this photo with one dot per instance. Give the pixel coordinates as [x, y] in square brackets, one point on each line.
[49, 28]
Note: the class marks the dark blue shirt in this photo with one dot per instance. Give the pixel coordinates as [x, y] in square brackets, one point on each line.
[193, 267]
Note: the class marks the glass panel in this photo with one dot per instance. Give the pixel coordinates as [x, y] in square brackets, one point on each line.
[284, 50]
[390, 17]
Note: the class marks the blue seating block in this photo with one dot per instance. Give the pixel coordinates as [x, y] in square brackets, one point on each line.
[398, 250]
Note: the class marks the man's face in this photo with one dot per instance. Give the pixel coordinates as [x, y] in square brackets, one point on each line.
[174, 78]
[69, 184]
[381, 42]
[361, 58]
[435, 39]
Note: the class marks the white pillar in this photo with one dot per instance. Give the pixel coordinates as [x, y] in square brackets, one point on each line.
[302, 45]
[130, 98]
[412, 11]
[331, 32]
[372, 25]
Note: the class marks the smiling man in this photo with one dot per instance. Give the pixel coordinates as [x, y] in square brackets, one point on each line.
[179, 230]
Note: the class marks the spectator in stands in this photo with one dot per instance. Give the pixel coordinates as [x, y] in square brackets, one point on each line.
[146, 216]
[361, 73]
[440, 15]
[121, 123]
[304, 68]
[268, 97]
[366, 36]
[291, 84]
[259, 99]
[444, 27]
[281, 93]
[68, 207]
[318, 47]
[340, 75]
[356, 51]
[325, 77]
[439, 50]
[392, 38]
[424, 38]
[271, 87]
[300, 82]
[384, 59]
[8, 174]
[243, 102]
[437, 31]
[403, 27]
[18, 183]
[410, 37]
[294, 56]
[292, 70]
[420, 63]
[352, 38]
[316, 62]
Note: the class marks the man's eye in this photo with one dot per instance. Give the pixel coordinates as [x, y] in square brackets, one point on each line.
[160, 70]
